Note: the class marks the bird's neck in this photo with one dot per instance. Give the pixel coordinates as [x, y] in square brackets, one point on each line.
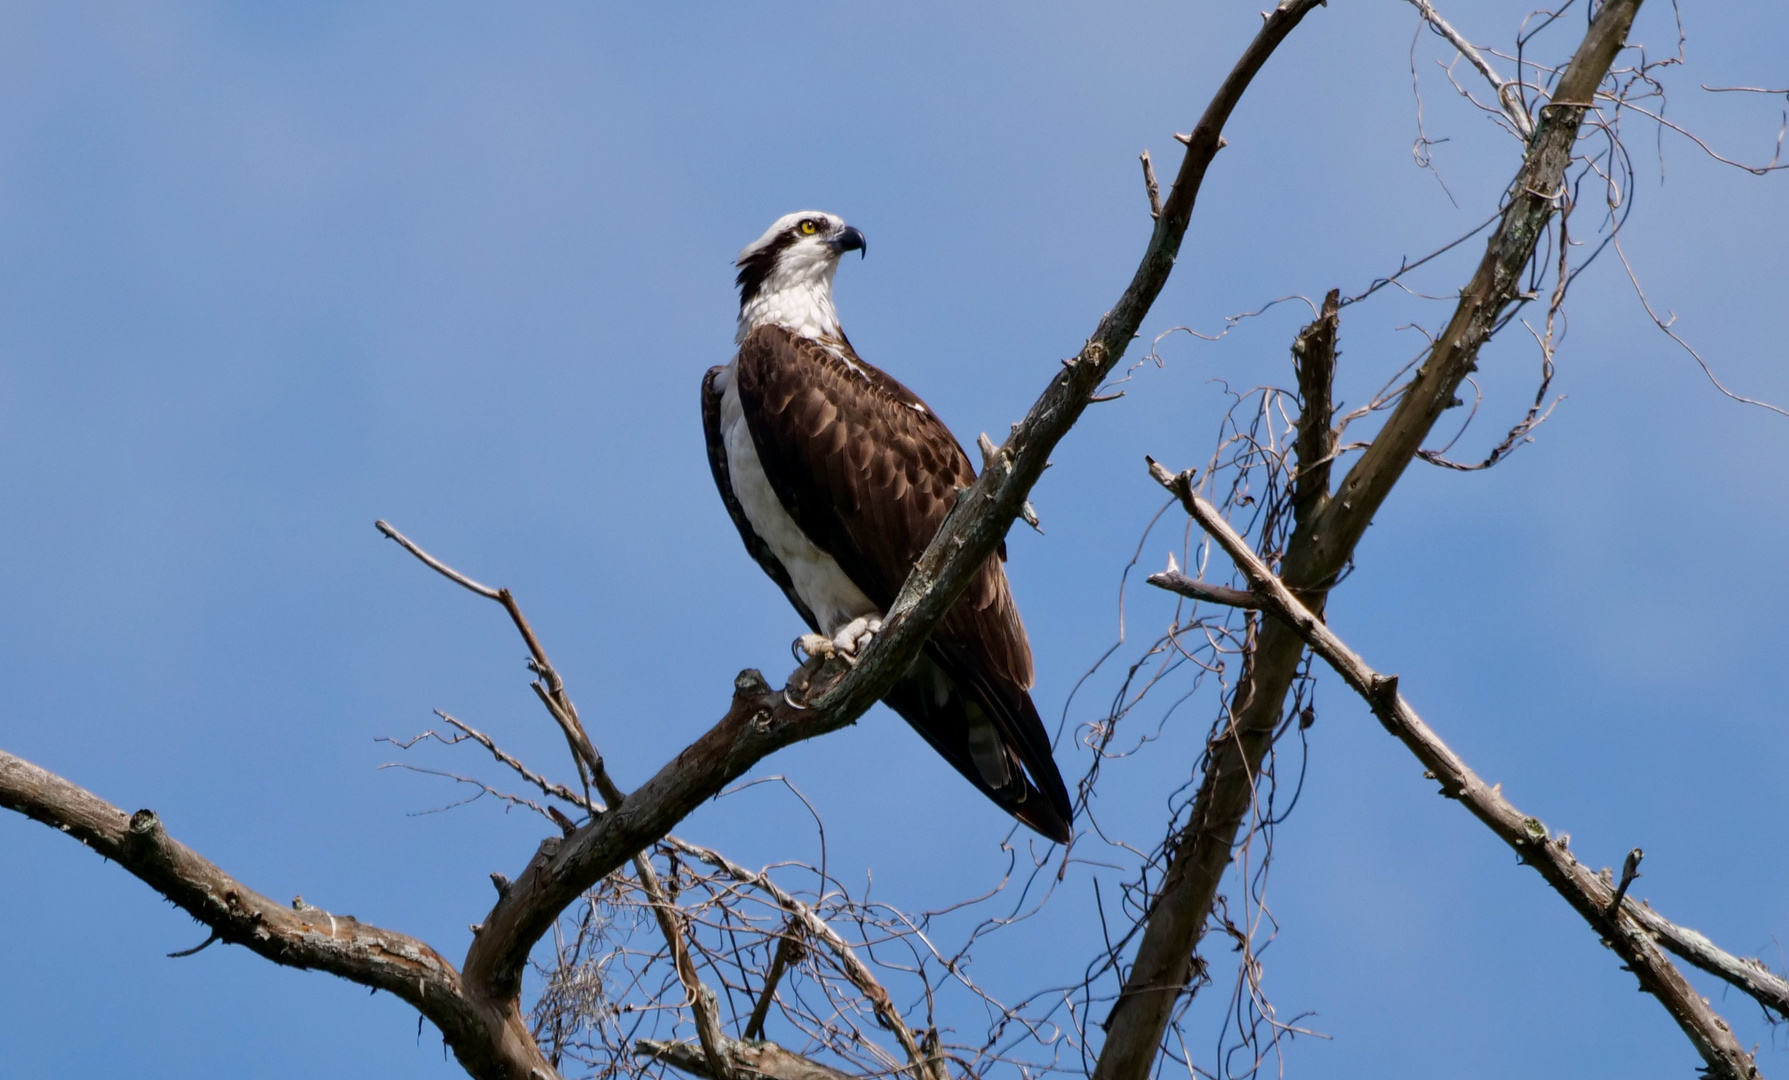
[802, 306]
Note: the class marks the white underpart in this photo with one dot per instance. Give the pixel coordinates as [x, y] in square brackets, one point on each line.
[818, 580]
[797, 295]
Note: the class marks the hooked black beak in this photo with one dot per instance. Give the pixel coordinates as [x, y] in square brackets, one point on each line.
[849, 240]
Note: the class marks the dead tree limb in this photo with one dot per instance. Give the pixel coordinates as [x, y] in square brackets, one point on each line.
[489, 1042]
[1509, 91]
[1174, 581]
[766, 1059]
[1598, 901]
[550, 689]
[788, 951]
[1328, 528]
[1748, 974]
[669, 917]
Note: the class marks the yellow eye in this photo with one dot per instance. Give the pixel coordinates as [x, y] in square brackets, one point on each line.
[809, 227]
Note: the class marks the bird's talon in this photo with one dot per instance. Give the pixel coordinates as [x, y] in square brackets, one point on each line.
[815, 647]
[855, 636]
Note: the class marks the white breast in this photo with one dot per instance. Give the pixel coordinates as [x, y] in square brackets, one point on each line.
[818, 580]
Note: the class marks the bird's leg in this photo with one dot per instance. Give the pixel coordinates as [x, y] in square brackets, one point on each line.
[855, 635]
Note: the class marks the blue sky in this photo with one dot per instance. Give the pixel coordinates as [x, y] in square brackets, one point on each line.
[274, 271]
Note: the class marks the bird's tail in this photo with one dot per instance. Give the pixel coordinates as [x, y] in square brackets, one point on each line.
[995, 739]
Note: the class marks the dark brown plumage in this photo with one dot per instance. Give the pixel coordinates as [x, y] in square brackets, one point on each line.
[869, 473]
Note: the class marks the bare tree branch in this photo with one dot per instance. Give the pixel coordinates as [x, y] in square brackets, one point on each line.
[1314, 358]
[547, 787]
[1509, 92]
[551, 688]
[788, 950]
[702, 1002]
[767, 1060]
[488, 1042]
[1176, 582]
[1321, 546]
[1494, 286]
[1150, 187]
[1746, 973]
[1594, 898]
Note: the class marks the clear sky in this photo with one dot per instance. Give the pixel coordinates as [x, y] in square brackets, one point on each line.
[270, 272]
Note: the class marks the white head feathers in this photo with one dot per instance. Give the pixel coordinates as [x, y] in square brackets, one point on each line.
[785, 276]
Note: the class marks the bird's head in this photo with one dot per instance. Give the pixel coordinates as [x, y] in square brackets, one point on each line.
[785, 276]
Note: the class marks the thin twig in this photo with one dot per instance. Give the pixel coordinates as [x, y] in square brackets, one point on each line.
[551, 688]
[788, 950]
[702, 1002]
[1176, 582]
[437, 565]
[199, 948]
[818, 930]
[1508, 92]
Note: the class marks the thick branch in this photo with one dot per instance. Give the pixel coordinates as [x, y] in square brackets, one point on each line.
[1322, 544]
[1595, 899]
[760, 722]
[488, 1042]
[1175, 923]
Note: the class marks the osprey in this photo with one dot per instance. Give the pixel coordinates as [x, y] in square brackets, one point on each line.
[837, 477]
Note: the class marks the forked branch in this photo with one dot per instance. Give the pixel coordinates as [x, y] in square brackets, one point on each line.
[1508, 91]
[296, 935]
[1321, 547]
[1616, 920]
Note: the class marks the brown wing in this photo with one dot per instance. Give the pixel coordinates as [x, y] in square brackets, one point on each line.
[869, 473]
[717, 464]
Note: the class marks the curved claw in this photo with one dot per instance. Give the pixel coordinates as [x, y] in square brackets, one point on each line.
[815, 646]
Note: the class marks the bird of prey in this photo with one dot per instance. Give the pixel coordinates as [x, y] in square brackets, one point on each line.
[838, 477]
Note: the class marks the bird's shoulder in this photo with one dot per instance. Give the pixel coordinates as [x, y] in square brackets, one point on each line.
[821, 387]
[869, 473]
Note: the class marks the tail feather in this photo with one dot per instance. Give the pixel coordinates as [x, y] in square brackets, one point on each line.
[996, 740]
